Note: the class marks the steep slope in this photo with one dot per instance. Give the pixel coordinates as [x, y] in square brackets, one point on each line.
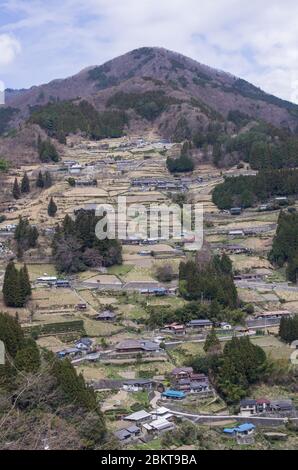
[156, 89]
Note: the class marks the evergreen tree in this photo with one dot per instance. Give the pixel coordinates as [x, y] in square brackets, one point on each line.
[25, 285]
[25, 184]
[52, 208]
[212, 343]
[40, 181]
[11, 290]
[16, 192]
[28, 358]
[11, 334]
[47, 180]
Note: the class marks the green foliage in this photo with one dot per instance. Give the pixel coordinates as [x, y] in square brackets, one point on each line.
[52, 208]
[245, 191]
[25, 234]
[186, 433]
[16, 192]
[67, 117]
[285, 244]
[44, 180]
[288, 329]
[73, 385]
[47, 151]
[76, 247]
[212, 343]
[99, 75]
[211, 282]
[148, 105]
[4, 165]
[180, 165]
[248, 90]
[11, 334]
[25, 184]
[242, 364]
[16, 286]
[73, 326]
[28, 358]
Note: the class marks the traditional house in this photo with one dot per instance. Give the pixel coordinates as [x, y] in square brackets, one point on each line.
[84, 344]
[139, 417]
[181, 373]
[136, 385]
[158, 426]
[236, 211]
[107, 315]
[136, 346]
[128, 434]
[174, 328]
[248, 407]
[283, 406]
[201, 324]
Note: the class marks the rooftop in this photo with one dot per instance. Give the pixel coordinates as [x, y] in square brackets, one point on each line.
[138, 416]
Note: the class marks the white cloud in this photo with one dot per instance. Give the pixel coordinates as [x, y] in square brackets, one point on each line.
[256, 40]
[9, 48]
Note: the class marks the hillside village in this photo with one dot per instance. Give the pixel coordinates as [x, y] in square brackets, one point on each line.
[114, 323]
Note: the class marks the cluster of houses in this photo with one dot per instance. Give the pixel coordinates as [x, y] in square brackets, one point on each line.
[143, 425]
[250, 406]
[81, 346]
[185, 381]
[200, 325]
[164, 184]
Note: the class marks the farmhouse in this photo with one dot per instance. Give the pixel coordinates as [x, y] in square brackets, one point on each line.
[136, 385]
[248, 407]
[139, 417]
[174, 328]
[107, 315]
[181, 373]
[136, 346]
[201, 324]
[128, 434]
[84, 344]
[236, 211]
[158, 426]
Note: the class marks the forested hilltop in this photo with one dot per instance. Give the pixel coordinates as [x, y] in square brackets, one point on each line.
[178, 98]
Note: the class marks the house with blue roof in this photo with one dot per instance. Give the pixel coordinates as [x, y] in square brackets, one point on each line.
[173, 394]
[244, 429]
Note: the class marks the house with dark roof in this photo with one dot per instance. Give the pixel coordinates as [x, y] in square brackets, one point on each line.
[136, 385]
[248, 407]
[284, 406]
[106, 315]
[174, 328]
[128, 434]
[181, 373]
[136, 346]
[201, 324]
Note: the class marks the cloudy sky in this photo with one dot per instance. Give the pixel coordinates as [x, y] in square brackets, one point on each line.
[256, 40]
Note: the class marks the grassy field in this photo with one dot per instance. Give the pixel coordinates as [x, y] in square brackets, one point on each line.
[273, 347]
